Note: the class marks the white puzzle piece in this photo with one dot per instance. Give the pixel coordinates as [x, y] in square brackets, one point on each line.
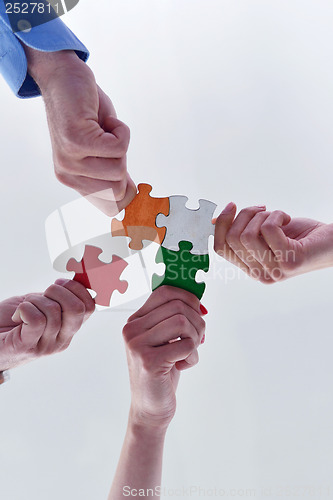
[184, 224]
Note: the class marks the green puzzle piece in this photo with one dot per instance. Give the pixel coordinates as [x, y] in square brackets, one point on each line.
[181, 268]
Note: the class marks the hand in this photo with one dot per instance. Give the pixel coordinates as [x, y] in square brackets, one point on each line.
[39, 324]
[271, 246]
[155, 357]
[89, 142]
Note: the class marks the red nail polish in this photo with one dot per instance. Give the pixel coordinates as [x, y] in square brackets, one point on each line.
[203, 339]
[203, 310]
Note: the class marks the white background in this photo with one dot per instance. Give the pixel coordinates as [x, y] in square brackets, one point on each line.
[229, 101]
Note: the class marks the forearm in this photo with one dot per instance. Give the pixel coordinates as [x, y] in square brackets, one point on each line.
[140, 463]
[42, 65]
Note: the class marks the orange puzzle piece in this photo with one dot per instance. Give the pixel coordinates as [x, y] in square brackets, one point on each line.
[140, 216]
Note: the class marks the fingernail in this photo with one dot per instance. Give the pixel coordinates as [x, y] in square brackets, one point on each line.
[229, 208]
[262, 206]
[16, 318]
[61, 282]
[203, 310]
[203, 339]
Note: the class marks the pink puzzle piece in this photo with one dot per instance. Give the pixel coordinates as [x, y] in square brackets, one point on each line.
[99, 276]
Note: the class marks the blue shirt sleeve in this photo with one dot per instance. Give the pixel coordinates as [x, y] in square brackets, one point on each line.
[51, 36]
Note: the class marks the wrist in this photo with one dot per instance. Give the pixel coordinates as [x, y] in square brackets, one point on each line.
[43, 65]
[150, 428]
[330, 244]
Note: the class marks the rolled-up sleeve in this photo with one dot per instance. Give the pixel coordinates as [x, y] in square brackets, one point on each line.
[51, 36]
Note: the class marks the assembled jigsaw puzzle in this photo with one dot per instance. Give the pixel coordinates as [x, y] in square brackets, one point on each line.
[159, 242]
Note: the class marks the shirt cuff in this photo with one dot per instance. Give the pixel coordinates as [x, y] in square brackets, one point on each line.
[52, 36]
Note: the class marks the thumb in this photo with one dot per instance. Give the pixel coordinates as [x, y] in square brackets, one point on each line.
[17, 317]
[222, 226]
[112, 140]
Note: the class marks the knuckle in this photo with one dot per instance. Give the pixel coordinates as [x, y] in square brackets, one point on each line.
[78, 308]
[119, 189]
[268, 226]
[278, 213]
[178, 306]
[39, 320]
[181, 321]
[202, 326]
[164, 291]
[249, 211]
[31, 296]
[51, 289]
[127, 331]
[64, 346]
[191, 345]
[246, 238]
[54, 309]
[125, 139]
[63, 177]
[63, 166]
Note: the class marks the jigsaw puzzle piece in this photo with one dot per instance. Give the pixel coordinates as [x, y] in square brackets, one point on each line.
[140, 216]
[138, 284]
[148, 257]
[138, 274]
[109, 245]
[181, 268]
[99, 276]
[184, 224]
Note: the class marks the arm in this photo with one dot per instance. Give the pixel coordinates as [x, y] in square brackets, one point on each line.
[49, 37]
[39, 324]
[271, 246]
[89, 143]
[155, 359]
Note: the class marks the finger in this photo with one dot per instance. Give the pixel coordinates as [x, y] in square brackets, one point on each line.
[26, 335]
[73, 313]
[112, 142]
[161, 313]
[171, 353]
[166, 294]
[255, 244]
[233, 238]
[242, 220]
[111, 208]
[80, 292]
[178, 326]
[106, 107]
[273, 234]
[105, 190]
[222, 226]
[53, 315]
[190, 361]
[105, 169]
